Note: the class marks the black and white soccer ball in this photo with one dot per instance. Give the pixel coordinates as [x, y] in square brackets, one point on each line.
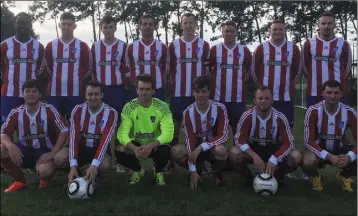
[265, 184]
[79, 188]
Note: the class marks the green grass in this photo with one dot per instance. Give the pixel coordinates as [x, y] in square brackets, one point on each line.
[115, 197]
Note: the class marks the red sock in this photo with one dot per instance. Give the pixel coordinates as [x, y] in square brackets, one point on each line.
[14, 171]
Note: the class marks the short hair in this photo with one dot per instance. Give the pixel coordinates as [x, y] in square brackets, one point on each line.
[95, 84]
[107, 19]
[276, 21]
[228, 23]
[146, 16]
[201, 82]
[332, 84]
[24, 14]
[145, 78]
[32, 84]
[263, 88]
[327, 13]
[188, 15]
[68, 15]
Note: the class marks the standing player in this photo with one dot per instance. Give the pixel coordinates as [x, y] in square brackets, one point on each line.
[146, 130]
[92, 127]
[206, 131]
[230, 63]
[69, 62]
[189, 57]
[263, 137]
[325, 125]
[148, 56]
[41, 132]
[276, 63]
[326, 57]
[21, 58]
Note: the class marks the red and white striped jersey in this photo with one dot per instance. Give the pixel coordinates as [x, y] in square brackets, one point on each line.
[150, 59]
[108, 62]
[206, 129]
[324, 132]
[19, 62]
[93, 130]
[187, 60]
[230, 70]
[326, 60]
[39, 130]
[278, 67]
[253, 130]
[69, 63]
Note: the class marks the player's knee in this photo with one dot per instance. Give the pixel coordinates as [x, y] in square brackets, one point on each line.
[45, 170]
[309, 159]
[295, 158]
[178, 152]
[105, 165]
[61, 158]
[235, 155]
[220, 152]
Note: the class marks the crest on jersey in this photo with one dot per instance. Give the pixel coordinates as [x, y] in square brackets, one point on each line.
[336, 48]
[197, 49]
[33, 51]
[156, 52]
[116, 53]
[341, 125]
[238, 55]
[211, 121]
[74, 50]
[287, 53]
[42, 123]
[272, 129]
[101, 124]
[152, 118]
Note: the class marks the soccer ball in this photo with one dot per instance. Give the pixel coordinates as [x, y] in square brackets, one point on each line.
[80, 189]
[265, 184]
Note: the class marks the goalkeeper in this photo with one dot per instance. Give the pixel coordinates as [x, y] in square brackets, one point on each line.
[146, 130]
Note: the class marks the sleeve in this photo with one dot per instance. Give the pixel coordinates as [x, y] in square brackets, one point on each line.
[75, 131]
[352, 122]
[10, 124]
[247, 64]
[222, 130]
[306, 57]
[3, 59]
[94, 68]
[166, 127]
[346, 58]
[284, 131]
[310, 133]
[190, 139]
[86, 60]
[242, 136]
[257, 65]
[296, 66]
[206, 59]
[172, 61]
[107, 134]
[125, 127]
[57, 120]
[130, 61]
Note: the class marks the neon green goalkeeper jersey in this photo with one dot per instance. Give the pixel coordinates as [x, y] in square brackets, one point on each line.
[144, 125]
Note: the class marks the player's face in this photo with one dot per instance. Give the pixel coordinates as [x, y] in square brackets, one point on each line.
[67, 26]
[108, 29]
[326, 26]
[94, 96]
[145, 91]
[31, 95]
[229, 33]
[23, 25]
[277, 31]
[332, 95]
[147, 27]
[201, 95]
[188, 24]
[263, 100]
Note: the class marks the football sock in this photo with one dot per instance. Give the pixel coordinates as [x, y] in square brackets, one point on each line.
[161, 157]
[129, 161]
[14, 171]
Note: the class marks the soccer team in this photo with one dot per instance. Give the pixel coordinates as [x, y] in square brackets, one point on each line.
[89, 88]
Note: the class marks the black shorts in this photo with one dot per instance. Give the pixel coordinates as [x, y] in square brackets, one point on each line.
[31, 155]
[86, 155]
[344, 150]
[265, 152]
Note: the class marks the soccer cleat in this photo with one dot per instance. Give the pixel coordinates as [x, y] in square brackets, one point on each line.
[317, 183]
[160, 179]
[15, 186]
[43, 183]
[347, 182]
[136, 176]
[218, 178]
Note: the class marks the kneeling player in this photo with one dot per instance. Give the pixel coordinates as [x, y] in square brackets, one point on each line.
[325, 126]
[146, 130]
[92, 127]
[206, 131]
[42, 132]
[263, 137]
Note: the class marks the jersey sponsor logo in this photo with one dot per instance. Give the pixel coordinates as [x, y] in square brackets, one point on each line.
[141, 135]
[277, 63]
[108, 63]
[30, 136]
[66, 60]
[91, 136]
[22, 61]
[230, 66]
[325, 58]
[188, 60]
[147, 62]
[204, 134]
[326, 136]
[260, 141]
[152, 118]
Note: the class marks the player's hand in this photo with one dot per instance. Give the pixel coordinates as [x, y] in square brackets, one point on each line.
[194, 179]
[194, 154]
[333, 159]
[138, 152]
[259, 164]
[270, 168]
[73, 174]
[343, 161]
[146, 150]
[91, 174]
[46, 157]
[15, 155]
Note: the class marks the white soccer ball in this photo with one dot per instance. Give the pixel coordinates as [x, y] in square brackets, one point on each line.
[80, 189]
[265, 184]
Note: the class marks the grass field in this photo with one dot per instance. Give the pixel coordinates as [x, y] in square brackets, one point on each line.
[115, 197]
